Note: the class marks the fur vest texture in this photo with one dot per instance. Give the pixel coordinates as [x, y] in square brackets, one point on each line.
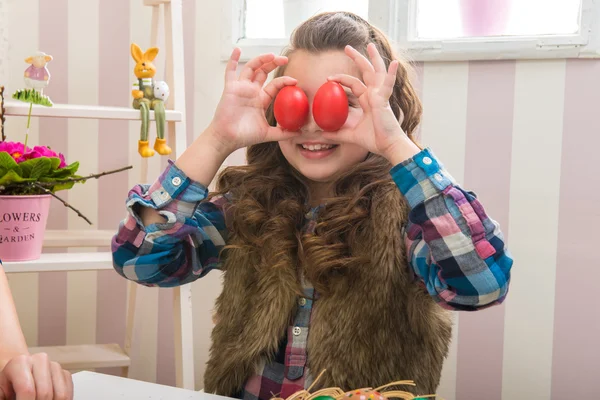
[376, 325]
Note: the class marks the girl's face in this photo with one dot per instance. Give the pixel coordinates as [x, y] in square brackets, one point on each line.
[311, 70]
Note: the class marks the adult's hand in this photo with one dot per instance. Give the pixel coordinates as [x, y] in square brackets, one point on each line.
[35, 377]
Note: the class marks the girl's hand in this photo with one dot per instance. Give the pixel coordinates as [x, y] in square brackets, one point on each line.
[35, 377]
[239, 120]
[378, 130]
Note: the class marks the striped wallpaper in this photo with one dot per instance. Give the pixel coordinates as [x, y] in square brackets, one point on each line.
[521, 134]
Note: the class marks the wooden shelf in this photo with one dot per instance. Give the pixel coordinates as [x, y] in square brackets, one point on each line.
[78, 238]
[62, 262]
[85, 356]
[155, 2]
[19, 108]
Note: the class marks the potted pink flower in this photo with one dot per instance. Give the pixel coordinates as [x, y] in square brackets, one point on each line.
[29, 177]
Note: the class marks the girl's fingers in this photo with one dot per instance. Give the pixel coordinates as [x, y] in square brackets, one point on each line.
[376, 59]
[274, 87]
[276, 134]
[232, 64]
[260, 76]
[390, 80]
[254, 64]
[363, 64]
[357, 87]
[342, 136]
[263, 72]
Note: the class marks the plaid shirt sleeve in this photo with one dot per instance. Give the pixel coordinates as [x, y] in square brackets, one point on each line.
[182, 249]
[454, 248]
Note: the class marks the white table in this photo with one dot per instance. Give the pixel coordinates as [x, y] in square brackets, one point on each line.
[95, 386]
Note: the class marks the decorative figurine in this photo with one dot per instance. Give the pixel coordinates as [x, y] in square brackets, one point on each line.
[37, 77]
[149, 95]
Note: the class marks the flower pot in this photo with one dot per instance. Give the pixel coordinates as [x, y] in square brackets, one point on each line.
[22, 225]
[485, 17]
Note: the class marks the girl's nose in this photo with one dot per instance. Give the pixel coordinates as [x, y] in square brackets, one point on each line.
[310, 125]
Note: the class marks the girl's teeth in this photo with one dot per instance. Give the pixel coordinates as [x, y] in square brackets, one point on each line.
[317, 147]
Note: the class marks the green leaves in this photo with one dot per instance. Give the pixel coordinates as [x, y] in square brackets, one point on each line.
[6, 161]
[37, 167]
[44, 170]
[10, 177]
[32, 96]
[65, 172]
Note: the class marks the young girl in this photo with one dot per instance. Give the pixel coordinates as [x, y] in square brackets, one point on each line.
[342, 251]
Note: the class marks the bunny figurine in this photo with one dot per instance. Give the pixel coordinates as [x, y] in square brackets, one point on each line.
[149, 95]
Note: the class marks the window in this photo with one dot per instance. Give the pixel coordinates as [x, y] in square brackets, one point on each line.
[433, 29]
[259, 26]
[276, 18]
[451, 19]
[497, 29]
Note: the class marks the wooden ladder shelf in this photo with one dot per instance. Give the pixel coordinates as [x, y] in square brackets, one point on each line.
[90, 356]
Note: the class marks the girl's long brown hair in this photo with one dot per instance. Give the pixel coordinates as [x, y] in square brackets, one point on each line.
[269, 197]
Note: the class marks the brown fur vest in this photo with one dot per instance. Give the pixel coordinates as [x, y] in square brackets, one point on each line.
[375, 326]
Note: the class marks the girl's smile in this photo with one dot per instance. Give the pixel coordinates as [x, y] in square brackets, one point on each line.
[316, 150]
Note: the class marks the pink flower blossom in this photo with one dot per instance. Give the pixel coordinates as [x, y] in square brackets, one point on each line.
[16, 150]
[43, 151]
[63, 162]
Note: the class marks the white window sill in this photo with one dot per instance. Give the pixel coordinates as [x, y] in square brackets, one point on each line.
[444, 50]
[499, 49]
[254, 47]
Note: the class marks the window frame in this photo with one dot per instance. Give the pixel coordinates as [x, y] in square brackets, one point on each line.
[397, 19]
[232, 12]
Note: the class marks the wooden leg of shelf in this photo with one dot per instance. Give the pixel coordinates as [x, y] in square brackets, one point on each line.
[184, 339]
[130, 316]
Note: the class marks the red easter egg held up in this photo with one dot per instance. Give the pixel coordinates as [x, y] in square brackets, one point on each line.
[291, 108]
[330, 106]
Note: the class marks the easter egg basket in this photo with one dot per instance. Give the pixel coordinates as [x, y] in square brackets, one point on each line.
[335, 393]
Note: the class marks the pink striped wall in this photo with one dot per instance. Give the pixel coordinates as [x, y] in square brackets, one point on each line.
[481, 104]
[53, 291]
[577, 321]
[113, 22]
[489, 126]
[417, 81]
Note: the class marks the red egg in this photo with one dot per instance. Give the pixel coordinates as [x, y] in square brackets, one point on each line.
[330, 106]
[291, 108]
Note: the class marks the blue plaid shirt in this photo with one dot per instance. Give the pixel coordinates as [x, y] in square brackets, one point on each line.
[455, 249]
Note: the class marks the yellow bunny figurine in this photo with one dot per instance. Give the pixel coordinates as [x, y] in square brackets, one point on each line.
[149, 95]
